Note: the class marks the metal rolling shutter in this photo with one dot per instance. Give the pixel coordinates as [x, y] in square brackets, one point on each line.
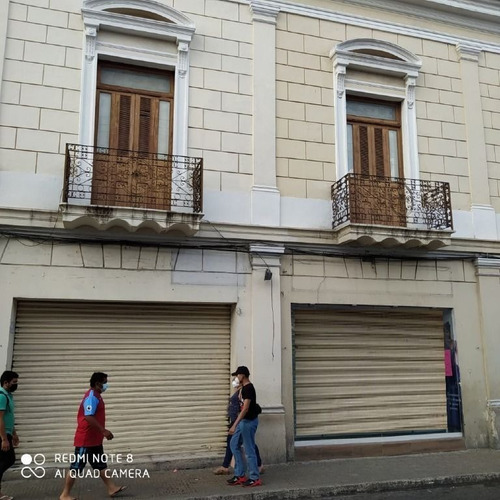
[168, 368]
[368, 372]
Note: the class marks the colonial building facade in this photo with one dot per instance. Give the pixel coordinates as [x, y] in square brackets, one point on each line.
[310, 188]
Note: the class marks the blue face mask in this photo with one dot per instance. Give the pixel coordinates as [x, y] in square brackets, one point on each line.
[104, 387]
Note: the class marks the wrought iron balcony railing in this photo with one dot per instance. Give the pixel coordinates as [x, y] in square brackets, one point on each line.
[135, 179]
[388, 201]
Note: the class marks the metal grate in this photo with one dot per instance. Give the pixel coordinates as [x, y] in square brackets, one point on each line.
[136, 179]
[369, 199]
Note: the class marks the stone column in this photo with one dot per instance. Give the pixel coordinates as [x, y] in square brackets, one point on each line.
[483, 213]
[265, 349]
[265, 194]
[488, 279]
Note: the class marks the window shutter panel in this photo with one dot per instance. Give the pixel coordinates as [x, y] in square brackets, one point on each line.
[379, 152]
[364, 151]
[124, 120]
[145, 126]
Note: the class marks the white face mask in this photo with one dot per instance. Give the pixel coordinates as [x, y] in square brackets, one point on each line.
[235, 383]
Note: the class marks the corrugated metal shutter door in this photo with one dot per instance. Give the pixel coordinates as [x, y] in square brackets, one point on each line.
[368, 372]
[168, 368]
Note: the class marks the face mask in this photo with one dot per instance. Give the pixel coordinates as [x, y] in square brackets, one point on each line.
[235, 383]
[104, 387]
[13, 388]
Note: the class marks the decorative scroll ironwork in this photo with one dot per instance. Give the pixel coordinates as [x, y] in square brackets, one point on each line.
[389, 201]
[135, 179]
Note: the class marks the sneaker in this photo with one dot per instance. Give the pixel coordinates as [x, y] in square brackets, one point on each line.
[220, 471]
[252, 482]
[235, 480]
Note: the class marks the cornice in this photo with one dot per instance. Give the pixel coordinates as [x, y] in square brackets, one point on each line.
[121, 22]
[380, 64]
[153, 6]
[391, 49]
[480, 14]
[389, 27]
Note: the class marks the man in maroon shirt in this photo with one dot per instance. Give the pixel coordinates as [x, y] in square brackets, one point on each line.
[89, 436]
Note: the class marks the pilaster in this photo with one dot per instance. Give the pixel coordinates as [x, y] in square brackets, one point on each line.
[341, 161]
[265, 194]
[483, 213]
[266, 347]
[488, 282]
[89, 78]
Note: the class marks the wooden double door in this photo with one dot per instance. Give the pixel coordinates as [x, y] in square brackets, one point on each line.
[132, 163]
[377, 192]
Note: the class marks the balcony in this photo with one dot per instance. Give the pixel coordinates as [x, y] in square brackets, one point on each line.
[387, 211]
[106, 187]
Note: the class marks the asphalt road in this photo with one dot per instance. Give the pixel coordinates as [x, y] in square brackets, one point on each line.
[476, 492]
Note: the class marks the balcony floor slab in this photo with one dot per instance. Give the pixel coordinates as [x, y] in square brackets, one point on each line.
[391, 237]
[130, 219]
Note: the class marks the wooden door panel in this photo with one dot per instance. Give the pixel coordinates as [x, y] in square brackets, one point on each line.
[374, 197]
[131, 174]
[109, 172]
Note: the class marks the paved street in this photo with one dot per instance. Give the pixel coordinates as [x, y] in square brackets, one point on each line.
[475, 492]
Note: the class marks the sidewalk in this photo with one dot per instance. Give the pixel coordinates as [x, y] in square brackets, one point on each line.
[306, 480]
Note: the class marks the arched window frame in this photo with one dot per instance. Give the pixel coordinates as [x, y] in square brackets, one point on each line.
[400, 63]
[176, 27]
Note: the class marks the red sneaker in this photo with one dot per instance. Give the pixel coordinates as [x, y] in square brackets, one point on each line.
[252, 482]
[235, 480]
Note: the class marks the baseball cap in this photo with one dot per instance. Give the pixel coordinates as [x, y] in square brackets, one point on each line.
[241, 370]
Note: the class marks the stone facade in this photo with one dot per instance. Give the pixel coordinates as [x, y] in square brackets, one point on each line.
[260, 101]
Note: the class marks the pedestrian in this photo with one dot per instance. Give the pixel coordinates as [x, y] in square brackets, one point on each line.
[233, 409]
[8, 436]
[89, 435]
[243, 431]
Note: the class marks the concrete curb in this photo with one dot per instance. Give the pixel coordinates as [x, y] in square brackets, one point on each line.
[351, 489]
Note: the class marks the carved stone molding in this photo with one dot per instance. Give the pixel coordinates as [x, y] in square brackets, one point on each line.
[340, 81]
[266, 256]
[368, 55]
[486, 266]
[467, 52]
[411, 83]
[183, 48]
[162, 23]
[90, 42]
[264, 12]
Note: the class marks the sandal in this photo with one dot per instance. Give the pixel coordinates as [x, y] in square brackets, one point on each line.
[220, 471]
[119, 491]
